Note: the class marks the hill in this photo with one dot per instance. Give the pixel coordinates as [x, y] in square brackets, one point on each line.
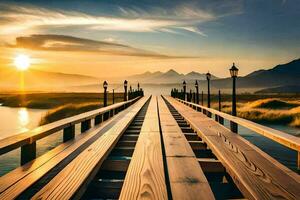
[38, 80]
[168, 77]
[280, 75]
[282, 89]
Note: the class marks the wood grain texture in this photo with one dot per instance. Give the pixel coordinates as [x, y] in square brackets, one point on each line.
[257, 175]
[18, 180]
[72, 180]
[285, 139]
[16, 141]
[145, 177]
[186, 177]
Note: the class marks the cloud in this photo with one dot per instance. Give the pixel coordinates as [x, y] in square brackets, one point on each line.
[69, 43]
[20, 18]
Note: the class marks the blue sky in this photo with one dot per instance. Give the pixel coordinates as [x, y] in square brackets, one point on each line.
[184, 35]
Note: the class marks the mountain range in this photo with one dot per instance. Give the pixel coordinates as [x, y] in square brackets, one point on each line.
[168, 77]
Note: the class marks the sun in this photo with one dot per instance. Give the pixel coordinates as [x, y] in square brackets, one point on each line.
[22, 62]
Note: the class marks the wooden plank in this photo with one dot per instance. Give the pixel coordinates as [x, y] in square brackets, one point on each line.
[72, 181]
[256, 174]
[187, 179]
[15, 182]
[16, 141]
[145, 177]
[285, 139]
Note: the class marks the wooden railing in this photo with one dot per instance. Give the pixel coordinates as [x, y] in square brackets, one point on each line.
[27, 140]
[280, 137]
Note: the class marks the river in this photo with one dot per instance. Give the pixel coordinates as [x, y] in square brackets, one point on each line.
[17, 120]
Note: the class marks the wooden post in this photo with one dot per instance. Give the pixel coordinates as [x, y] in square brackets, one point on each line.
[28, 153]
[298, 163]
[85, 125]
[98, 119]
[69, 133]
[202, 96]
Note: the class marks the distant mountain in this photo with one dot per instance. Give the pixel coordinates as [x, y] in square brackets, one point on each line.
[282, 89]
[36, 79]
[168, 77]
[280, 75]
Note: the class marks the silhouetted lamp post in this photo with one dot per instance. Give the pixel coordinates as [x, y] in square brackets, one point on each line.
[208, 77]
[105, 93]
[184, 90]
[113, 96]
[125, 90]
[138, 86]
[197, 92]
[234, 73]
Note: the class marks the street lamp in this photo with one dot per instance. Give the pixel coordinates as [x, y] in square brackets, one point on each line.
[208, 77]
[125, 90]
[105, 93]
[197, 92]
[138, 86]
[234, 73]
[184, 89]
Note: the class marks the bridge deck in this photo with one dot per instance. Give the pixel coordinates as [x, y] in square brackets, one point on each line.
[157, 148]
[256, 174]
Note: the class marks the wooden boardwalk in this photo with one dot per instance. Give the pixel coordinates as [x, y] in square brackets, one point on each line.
[147, 148]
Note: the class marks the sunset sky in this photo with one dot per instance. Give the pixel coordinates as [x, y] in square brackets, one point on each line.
[116, 38]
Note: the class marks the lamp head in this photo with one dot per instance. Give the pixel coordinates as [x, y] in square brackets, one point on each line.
[234, 71]
[208, 76]
[105, 85]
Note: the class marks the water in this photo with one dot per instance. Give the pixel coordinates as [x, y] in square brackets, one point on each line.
[14, 121]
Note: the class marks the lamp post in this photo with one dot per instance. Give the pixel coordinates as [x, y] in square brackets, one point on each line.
[220, 119]
[208, 77]
[113, 96]
[138, 86]
[125, 90]
[184, 90]
[190, 96]
[234, 73]
[105, 93]
[202, 98]
[197, 92]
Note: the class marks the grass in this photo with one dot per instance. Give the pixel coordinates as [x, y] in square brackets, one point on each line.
[60, 105]
[271, 110]
[52, 100]
[68, 110]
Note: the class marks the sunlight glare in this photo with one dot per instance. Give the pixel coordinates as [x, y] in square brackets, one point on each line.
[22, 62]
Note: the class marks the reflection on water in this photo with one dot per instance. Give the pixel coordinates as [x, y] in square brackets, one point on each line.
[14, 121]
[23, 118]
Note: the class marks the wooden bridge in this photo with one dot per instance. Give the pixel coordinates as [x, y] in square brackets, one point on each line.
[149, 148]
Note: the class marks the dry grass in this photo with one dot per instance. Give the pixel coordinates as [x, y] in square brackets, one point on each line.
[67, 110]
[276, 111]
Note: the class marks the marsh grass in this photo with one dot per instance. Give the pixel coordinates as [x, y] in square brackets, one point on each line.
[52, 100]
[271, 110]
[68, 110]
[60, 105]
